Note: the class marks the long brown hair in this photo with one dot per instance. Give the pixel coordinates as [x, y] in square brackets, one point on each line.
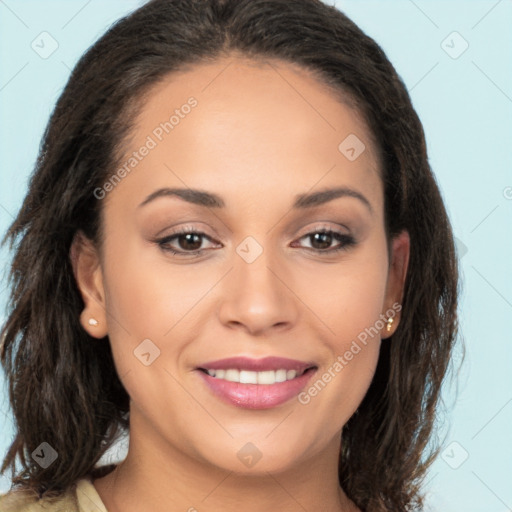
[63, 388]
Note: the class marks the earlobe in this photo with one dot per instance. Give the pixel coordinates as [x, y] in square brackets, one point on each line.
[398, 267]
[89, 279]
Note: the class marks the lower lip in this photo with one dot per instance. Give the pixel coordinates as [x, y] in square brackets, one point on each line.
[256, 396]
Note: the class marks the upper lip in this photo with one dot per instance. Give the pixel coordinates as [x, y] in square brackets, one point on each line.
[258, 365]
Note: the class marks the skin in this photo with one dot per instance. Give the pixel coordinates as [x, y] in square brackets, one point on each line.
[262, 133]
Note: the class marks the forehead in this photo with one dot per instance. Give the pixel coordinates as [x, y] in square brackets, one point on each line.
[254, 125]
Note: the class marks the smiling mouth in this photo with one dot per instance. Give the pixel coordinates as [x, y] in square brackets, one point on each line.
[256, 383]
[266, 377]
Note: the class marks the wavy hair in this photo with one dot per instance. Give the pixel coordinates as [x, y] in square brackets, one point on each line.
[63, 387]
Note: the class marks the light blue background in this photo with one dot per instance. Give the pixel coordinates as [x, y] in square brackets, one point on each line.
[465, 105]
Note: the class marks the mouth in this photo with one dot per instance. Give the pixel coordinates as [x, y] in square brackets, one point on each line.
[256, 383]
[265, 378]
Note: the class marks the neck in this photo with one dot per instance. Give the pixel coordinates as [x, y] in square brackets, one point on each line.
[158, 477]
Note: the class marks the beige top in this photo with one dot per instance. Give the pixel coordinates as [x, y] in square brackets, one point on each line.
[81, 497]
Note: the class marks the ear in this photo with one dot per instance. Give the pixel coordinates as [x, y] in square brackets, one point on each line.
[398, 265]
[85, 261]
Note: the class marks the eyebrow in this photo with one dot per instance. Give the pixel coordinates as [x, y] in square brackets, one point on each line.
[301, 201]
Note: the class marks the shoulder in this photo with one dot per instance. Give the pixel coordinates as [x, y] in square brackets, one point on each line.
[22, 500]
[80, 497]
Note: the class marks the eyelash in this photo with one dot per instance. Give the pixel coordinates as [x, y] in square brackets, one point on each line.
[347, 241]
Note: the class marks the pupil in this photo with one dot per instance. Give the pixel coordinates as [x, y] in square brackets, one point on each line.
[327, 242]
[188, 238]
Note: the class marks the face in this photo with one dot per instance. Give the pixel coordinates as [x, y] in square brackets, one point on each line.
[261, 265]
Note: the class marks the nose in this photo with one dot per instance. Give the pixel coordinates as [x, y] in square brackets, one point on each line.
[257, 296]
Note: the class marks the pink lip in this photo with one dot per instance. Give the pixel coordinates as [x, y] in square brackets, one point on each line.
[257, 396]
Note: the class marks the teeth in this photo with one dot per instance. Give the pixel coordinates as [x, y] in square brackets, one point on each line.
[280, 375]
[231, 375]
[266, 377]
[249, 377]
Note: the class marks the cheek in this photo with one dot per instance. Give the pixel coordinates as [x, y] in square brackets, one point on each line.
[341, 382]
[361, 304]
[348, 298]
[144, 293]
[352, 304]
[147, 307]
[359, 324]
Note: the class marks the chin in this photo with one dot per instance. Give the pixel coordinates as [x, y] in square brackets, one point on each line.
[254, 458]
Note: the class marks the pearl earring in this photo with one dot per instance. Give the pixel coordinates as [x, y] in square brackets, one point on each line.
[93, 321]
[389, 322]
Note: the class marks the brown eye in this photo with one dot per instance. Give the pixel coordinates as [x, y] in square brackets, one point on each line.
[322, 240]
[187, 242]
[191, 241]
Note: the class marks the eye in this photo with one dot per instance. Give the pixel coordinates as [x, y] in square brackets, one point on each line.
[190, 242]
[322, 239]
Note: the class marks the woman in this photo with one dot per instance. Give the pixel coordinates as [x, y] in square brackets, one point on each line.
[233, 246]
